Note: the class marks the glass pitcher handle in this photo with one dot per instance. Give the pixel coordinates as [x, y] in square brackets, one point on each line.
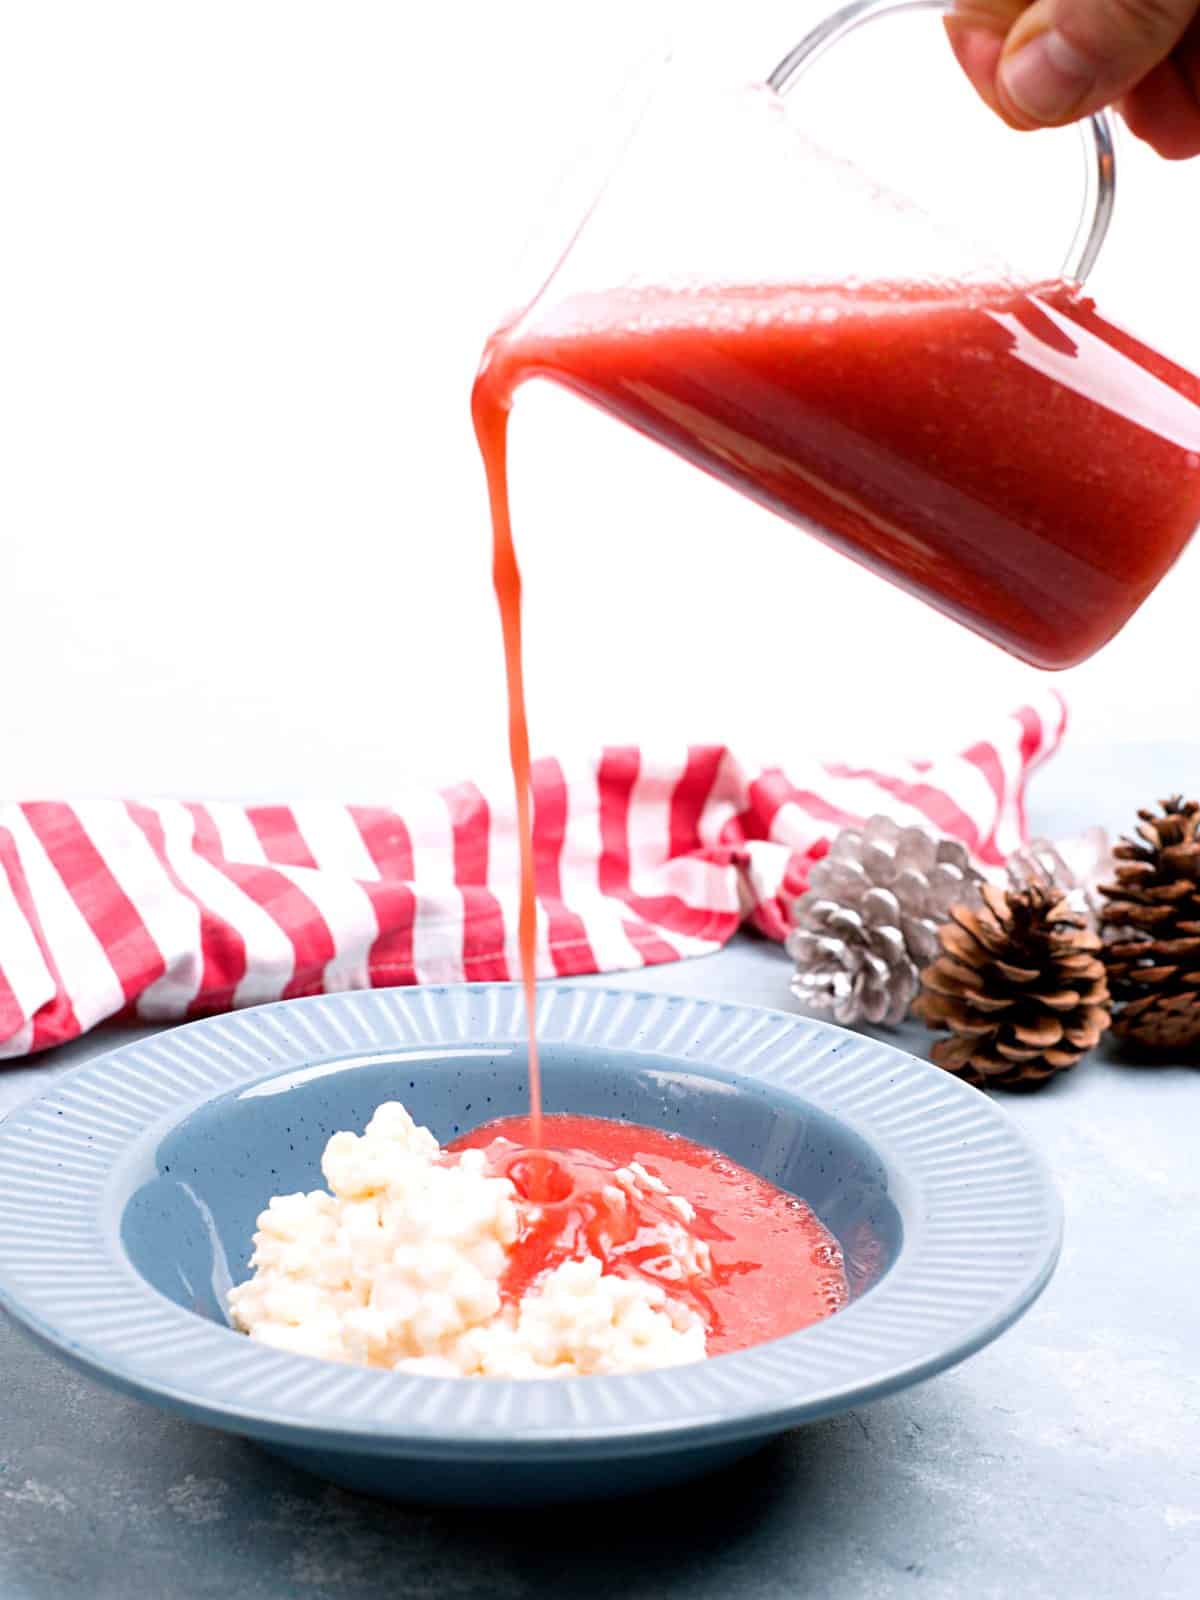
[1100, 177]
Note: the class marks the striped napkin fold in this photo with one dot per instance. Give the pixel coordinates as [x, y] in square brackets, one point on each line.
[161, 910]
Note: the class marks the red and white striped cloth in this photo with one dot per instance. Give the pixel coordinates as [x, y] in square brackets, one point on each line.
[164, 910]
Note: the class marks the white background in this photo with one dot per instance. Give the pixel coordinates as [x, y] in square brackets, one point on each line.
[250, 253]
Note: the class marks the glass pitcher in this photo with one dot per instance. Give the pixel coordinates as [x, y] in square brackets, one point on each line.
[989, 442]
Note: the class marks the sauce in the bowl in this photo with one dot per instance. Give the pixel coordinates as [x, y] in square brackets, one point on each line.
[762, 1264]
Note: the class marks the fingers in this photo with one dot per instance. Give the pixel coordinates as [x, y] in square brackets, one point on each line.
[1044, 64]
[977, 30]
[1164, 108]
[1065, 58]
[978, 53]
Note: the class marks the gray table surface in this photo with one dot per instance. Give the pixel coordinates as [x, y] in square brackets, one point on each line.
[1062, 1461]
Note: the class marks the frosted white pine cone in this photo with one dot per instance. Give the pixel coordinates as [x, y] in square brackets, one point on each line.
[1078, 866]
[867, 924]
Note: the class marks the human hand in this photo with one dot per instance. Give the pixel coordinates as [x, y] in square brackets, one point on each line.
[1044, 64]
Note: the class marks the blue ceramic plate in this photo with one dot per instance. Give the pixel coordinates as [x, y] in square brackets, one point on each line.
[128, 1196]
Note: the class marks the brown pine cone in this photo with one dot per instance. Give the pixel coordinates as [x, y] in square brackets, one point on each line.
[1151, 926]
[1019, 984]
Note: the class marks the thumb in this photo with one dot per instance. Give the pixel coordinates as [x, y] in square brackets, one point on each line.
[1065, 58]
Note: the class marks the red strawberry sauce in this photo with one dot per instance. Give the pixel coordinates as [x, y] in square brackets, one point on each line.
[774, 1267]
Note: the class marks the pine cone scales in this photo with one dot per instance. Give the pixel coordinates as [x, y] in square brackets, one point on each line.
[868, 921]
[1019, 984]
[1151, 925]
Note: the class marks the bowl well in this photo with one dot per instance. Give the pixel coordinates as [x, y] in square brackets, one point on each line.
[187, 1229]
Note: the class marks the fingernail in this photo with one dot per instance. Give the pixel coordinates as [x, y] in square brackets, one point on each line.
[1047, 78]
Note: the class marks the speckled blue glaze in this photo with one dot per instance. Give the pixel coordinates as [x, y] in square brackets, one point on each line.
[153, 1163]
